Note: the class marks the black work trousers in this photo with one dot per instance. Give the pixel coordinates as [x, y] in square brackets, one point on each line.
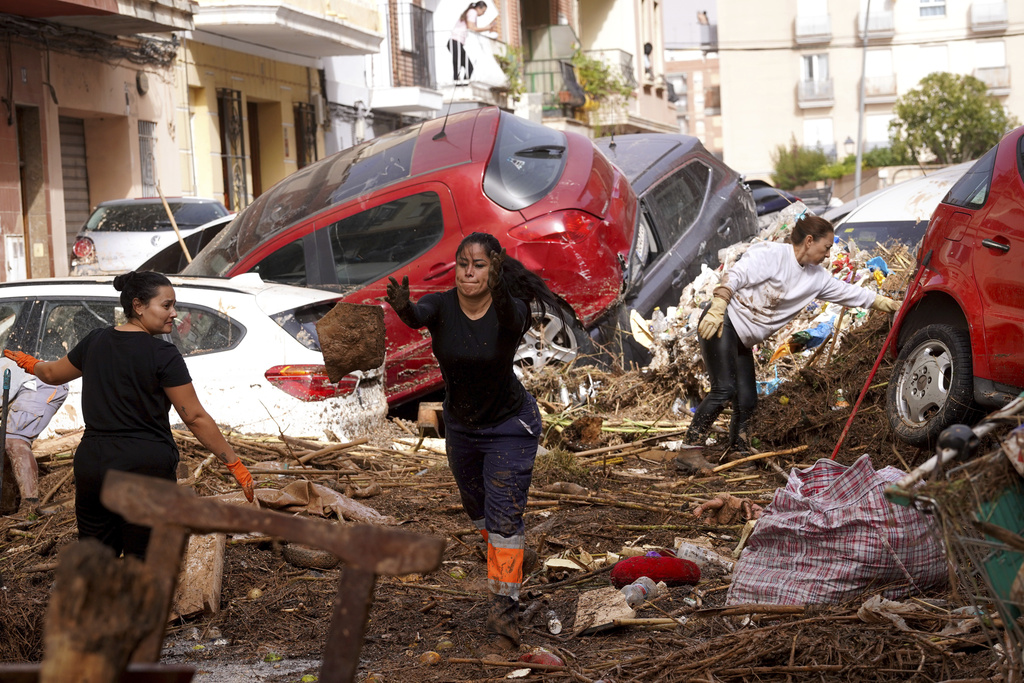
[730, 367]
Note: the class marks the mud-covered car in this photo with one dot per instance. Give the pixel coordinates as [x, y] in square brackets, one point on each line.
[959, 344]
[399, 205]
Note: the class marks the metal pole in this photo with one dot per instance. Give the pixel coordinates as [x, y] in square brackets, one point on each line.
[860, 115]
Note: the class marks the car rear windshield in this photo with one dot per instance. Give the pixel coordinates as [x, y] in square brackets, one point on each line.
[350, 173]
[971, 191]
[527, 161]
[301, 322]
[153, 217]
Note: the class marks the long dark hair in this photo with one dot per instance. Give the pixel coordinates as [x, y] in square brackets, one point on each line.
[142, 286]
[478, 6]
[521, 281]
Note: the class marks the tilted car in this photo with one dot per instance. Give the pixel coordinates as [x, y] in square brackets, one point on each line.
[251, 349]
[399, 205]
[121, 234]
[960, 342]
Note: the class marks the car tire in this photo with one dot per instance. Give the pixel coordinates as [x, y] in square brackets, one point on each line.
[556, 339]
[932, 384]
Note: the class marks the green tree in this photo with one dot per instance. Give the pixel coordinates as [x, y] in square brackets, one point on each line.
[794, 165]
[950, 116]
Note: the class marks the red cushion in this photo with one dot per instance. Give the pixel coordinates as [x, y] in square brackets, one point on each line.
[672, 570]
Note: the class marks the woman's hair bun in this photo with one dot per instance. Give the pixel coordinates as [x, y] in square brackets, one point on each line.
[121, 280]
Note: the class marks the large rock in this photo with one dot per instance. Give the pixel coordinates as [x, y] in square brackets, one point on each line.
[351, 338]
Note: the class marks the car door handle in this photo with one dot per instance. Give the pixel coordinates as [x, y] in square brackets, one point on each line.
[725, 227]
[439, 269]
[992, 244]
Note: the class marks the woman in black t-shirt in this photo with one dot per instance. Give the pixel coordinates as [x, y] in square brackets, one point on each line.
[492, 425]
[130, 380]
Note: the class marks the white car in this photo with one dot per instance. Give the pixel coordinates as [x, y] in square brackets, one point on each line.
[250, 346]
[121, 234]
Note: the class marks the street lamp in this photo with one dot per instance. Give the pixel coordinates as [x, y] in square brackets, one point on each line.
[849, 145]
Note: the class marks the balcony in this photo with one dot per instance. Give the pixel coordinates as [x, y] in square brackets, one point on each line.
[880, 89]
[113, 17]
[620, 63]
[989, 17]
[306, 28]
[813, 29]
[881, 25]
[995, 78]
[555, 80]
[815, 93]
[828, 149]
[709, 37]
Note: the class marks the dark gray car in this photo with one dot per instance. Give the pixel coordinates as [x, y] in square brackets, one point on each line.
[691, 206]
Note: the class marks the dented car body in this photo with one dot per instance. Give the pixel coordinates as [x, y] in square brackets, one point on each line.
[400, 204]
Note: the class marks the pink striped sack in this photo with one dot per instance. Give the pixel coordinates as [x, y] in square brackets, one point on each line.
[830, 536]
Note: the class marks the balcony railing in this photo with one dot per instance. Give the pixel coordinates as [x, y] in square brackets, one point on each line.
[414, 60]
[709, 37]
[813, 29]
[815, 93]
[619, 62]
[555, 80]
[828, 149]
[879, 88]
[996, 78]
[989, 16]
[880, 24]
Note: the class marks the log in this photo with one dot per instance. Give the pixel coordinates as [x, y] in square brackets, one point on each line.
[101, 608]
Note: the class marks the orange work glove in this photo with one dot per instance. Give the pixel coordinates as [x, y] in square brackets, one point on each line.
[23, 360]
[242, 476]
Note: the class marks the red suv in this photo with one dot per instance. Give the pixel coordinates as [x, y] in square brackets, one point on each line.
[961, 343]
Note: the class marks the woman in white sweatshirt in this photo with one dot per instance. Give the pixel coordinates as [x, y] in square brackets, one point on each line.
[759, 295]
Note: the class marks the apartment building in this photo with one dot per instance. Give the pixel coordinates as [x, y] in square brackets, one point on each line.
[87, 104]
[792, 69]
[412, 78]
[250, 93]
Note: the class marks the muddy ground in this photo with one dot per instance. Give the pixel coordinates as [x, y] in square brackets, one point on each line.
[634, 500]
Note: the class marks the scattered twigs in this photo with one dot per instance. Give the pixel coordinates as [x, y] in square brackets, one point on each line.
[331, 449]
[63, 480]
[758, 456]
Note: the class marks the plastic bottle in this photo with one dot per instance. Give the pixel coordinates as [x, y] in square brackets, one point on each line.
[659, 325]
[640, 590]
[841, 401]
[554, 623]
[702, 557]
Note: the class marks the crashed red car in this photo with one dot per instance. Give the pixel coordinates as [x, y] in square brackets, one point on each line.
[961, 341]
[401, 203]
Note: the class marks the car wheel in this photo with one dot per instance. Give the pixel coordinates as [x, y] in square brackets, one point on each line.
[555, 339]
[932, 384]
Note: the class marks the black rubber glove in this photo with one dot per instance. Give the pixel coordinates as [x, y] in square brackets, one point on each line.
[494, 271]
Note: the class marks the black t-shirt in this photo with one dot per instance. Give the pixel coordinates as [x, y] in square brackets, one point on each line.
[475, 355]
[123, 380]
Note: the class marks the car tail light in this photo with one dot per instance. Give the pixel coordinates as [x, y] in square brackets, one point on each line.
[308, 382]
[84, 250]
[562, 226]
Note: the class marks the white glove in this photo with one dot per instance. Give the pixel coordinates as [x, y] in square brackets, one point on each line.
[884, 303]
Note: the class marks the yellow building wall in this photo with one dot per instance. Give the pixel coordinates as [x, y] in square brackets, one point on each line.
[275, 87]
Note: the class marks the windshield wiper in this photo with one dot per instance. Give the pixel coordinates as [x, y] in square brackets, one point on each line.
[542, 152]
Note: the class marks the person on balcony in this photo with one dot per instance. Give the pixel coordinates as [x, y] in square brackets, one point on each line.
[461, 63]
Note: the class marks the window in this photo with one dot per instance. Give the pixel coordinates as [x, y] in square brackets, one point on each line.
[990, 55]
[527, 162]
[286, 265]
[971, 191]
[8, 315]
[405, 29]
[147, 154]
[65, 323]
[675, 203]
[876, 131]
[818, 134]
[815, 67]
[374, 243]
[199, 330]
[932, 8]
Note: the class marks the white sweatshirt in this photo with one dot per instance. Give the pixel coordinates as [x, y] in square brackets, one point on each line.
[769, 288]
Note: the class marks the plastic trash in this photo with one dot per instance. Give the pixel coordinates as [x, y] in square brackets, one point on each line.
[702, 557]
[659, 324]
[639, 591]
[554, 623]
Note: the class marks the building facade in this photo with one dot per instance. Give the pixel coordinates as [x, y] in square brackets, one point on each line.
[792, 69]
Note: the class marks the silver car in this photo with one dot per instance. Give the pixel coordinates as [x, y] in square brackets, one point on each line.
[122, 234]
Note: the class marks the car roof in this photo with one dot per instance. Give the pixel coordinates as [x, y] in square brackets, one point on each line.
[911, 200]
[272, 297]
[158, 200]
[645, 157]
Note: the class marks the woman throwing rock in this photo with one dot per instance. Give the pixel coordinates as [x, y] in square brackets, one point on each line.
[492, 425]
[770, 284]
[130, 380]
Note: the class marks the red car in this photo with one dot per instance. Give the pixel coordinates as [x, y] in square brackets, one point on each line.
[961, 342]
[401, 203]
